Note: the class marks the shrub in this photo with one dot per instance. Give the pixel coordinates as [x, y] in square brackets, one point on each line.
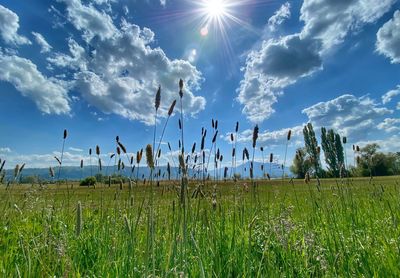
[89, 181]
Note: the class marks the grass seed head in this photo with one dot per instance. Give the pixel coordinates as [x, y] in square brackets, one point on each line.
[149, 156]
[171, 108]
[255, 136]
[158, 98]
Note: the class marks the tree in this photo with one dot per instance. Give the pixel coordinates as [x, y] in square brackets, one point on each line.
[333, 150]
[301, 163]
[374, 163]
[312, 148]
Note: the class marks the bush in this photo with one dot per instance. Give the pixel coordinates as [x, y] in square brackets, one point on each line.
[89, 181]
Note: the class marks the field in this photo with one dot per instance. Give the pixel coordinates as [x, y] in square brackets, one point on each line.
[342, 228]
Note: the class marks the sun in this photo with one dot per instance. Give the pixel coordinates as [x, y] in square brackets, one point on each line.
[215, 8]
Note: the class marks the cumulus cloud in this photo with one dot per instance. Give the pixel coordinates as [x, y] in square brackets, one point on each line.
[269, 138]
[281, 62]
[119, 72]
[279, 16]
[388, 39]
[351, 116]
[9, 25]
[49, 95]
[390, 125]
[5, 150]
[386, 98]
[41, 41]
[89, 20]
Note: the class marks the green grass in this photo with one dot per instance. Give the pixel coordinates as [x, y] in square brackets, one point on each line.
[346, 228]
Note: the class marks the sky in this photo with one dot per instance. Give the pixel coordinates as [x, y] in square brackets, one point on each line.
[93, 67]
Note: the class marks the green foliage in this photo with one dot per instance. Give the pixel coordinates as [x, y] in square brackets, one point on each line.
[89, 181]
[301, 163]
[311, 145]
[333, 150]
[374, 163]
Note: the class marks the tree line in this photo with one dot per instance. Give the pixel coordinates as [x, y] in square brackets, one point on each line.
[367, 161]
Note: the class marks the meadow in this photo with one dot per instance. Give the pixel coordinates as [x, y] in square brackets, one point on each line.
[343, 227]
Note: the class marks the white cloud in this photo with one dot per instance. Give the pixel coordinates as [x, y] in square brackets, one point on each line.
[386, 98]
[41, 41]
[279, 16]
[89, 20]
[390, 125]
[351, 116]
[388, 39]
[5, 150]
[9, 25]
[283, 61]
[163, 2]
[269, 138]
[75, 149]
[120, 73]
[390, 144]
[49, 95]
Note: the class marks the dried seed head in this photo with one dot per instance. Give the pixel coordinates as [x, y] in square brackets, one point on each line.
[271, 158]
[58, 160]
[169, 171]
[51, 172]
[2, 165]
[100, 166]
[255, 136]
[358, 148]
[122, 147]
[194, 147]
[119, 164]
[354, 148]
[158, 98]
[182, 163]
[171, 108]
[22, 168]
[232, 139]
[90, 151]
[117, 138]
[233, 152]
[268, 176]
[237, 127]
[225, 172]
[215, 137]
[81, 163]
[118, 150]
[202, 143]
[65, 134]
[216, 124]
[149, 156]
[180, 88]
[344, 140]
[112, 155]
[289, 135]
[138, 157]
[97, 150]
[159, 153]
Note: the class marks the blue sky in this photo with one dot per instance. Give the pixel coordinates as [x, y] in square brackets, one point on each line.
[93, 67]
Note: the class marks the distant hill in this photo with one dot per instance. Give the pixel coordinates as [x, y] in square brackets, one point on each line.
[76, 173]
